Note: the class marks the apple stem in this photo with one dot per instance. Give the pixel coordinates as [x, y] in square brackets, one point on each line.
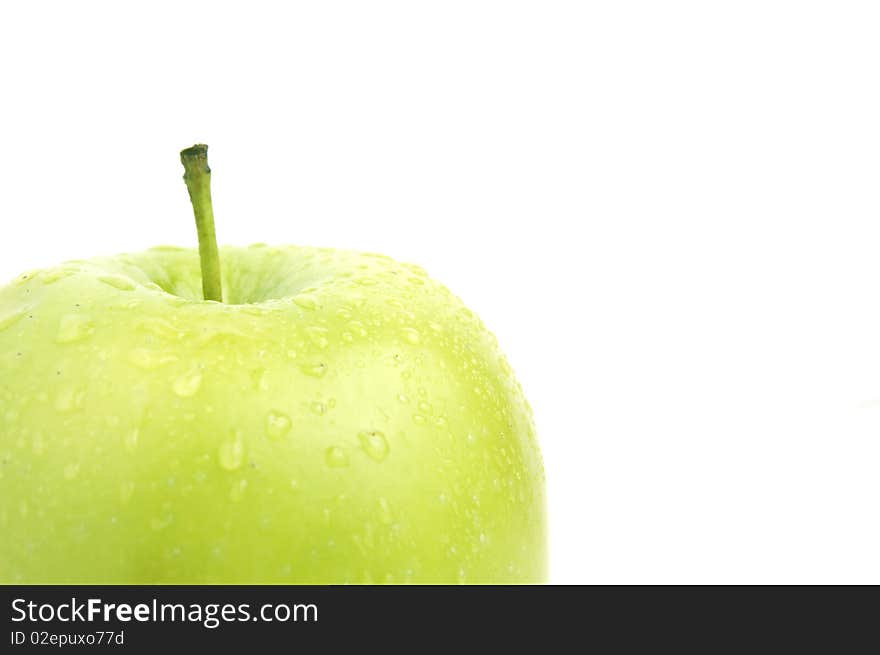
[198, 182]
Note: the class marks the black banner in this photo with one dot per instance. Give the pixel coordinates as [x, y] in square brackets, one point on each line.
[378, 618]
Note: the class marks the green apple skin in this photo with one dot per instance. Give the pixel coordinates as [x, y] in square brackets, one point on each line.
[340, 418]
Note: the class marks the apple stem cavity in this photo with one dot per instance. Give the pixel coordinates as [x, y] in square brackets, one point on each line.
[198, 182]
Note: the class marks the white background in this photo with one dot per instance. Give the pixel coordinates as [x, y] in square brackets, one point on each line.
[669, 213]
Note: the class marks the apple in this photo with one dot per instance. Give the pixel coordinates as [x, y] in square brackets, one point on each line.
[338, 418]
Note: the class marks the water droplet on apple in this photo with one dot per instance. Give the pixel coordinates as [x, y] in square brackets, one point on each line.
[53, 275]
[318, 336]
[39, 444]
[396, 303]
[260, 378]
[402, 398]
[277, 425]
[412, 335]
[69, 399]
[131, 439]
[262, 383]
[24, 277]
[231, 452]
[335, 457]
[314, 370]
[306, 301]
[386, 516]
[357, 328]
[74, 327]
[426, 407]
[149, 359]
[161, 522]
[9, 319]
[117, 282]
[319, 408]
[126, 490]
[375, 445]
[71, 470]
[418, 419]
[187, 385]
[236, 493]
[365, 281]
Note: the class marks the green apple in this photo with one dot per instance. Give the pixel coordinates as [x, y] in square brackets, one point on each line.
[338, 418]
